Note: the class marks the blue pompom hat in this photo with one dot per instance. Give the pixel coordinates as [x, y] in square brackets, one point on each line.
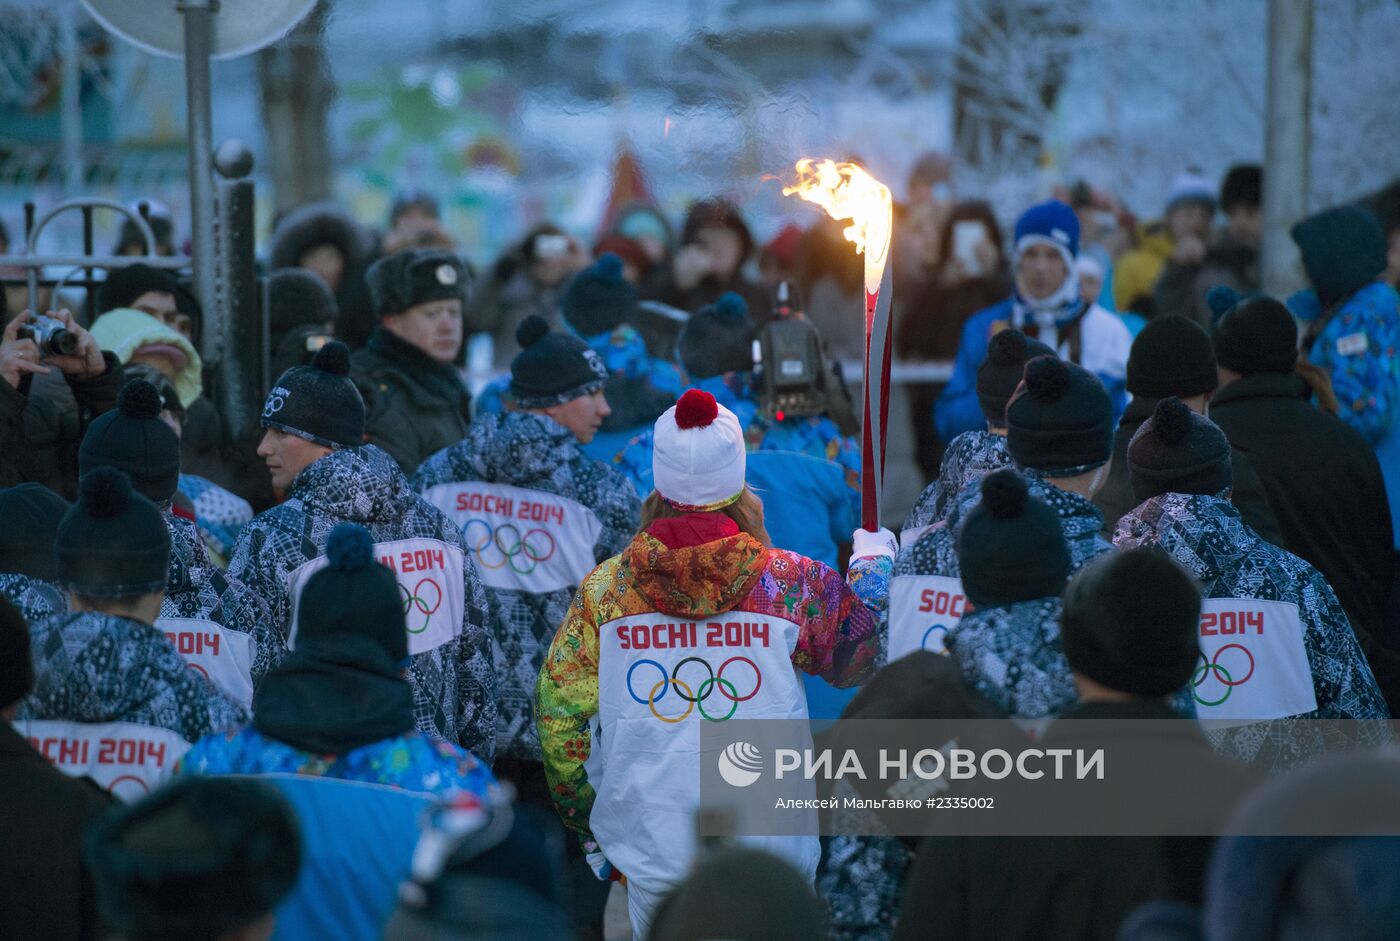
[717, 339]
[599, 299]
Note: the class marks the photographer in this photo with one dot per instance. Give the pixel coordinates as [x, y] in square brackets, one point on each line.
[47, 398]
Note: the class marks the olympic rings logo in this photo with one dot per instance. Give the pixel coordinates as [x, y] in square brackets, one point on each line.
[273, 405]
[1223, 675]
[935, 639]
[419, 599]
[507, 546]
[694, 697]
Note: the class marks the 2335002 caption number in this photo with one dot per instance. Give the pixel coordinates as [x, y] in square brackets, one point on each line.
[961, 803]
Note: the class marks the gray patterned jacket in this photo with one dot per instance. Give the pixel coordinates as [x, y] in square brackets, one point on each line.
[454, 684]
[971, 456]
[92, 667]
[532, 452]
[34, 598]
[1206, 535]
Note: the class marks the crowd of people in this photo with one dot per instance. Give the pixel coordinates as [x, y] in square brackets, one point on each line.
[407, 662]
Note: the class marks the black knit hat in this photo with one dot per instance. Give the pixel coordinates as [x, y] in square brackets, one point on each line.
[133, 439]
[1178, 451]
[1130, 622]
[1012, 547]
[124, 285]
[16, 662]
[295, 297]
[717, 339]
[1253, 334]
[200, 857]
[112, 543]
[1343, 249]
[353, 594]
[31, 514]
[552, 368]
[1001, 372]
[319, 402]
[1171, 356]
[1243, 186]
[417, 276]
[599, 299]
[1060, 422]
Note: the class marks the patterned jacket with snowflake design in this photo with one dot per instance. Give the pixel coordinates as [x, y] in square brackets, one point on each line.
[34, 598]
[414, 762]
[532, 452]
[454, 684]
[971, 456]
[936, 551]
[622, 751]
[1011, 655]
[98, 668]
[1206, 535]
[197, 590]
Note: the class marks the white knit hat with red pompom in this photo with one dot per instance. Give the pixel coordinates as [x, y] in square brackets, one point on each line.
[698, 454]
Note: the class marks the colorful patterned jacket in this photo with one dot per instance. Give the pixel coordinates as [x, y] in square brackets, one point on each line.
[971, 456]
[635, 670]
[413, 762]
[1206, 535]
[1360, 349]
[34, 598]
[452, 671]
[533, 453]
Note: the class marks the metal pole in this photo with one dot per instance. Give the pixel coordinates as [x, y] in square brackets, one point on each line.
[199, 38]
[71, 101]
[1286, 140]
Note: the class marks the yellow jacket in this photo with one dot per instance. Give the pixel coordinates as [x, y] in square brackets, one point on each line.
[1136, 272]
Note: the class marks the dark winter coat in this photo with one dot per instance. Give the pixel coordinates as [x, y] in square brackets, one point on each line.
[1323, 482]
[454, 683]
[1116, 498]
[43, 422]
[532, 452]
[1206, 535]
[1010, 654]
[417, 406]
[1181, 289]
[1073, 888]
[99, 668]
[46, 894]
[315, 224]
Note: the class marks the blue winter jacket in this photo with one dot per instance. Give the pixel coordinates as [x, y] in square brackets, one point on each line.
[1105, 343]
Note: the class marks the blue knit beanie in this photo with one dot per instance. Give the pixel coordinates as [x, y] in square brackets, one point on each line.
[1049, 223]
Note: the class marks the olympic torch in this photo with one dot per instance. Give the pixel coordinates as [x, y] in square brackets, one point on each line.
[847, 192]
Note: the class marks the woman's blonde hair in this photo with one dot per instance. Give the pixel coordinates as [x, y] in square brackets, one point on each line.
[747, 512]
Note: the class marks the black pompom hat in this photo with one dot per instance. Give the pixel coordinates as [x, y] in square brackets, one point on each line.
[113, 543]
[1060, 422]
[1001, 372]
[552, 368]
[599, 299]
[1178, 451]
[133, 439]
[717, 339]
[1012, 547]
[319, 402]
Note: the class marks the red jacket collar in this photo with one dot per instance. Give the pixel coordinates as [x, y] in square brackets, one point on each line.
[692, 529]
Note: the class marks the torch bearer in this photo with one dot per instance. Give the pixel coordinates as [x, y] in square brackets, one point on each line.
[847, 192]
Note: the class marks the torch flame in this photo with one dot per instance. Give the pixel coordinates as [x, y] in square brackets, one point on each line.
[846, 191]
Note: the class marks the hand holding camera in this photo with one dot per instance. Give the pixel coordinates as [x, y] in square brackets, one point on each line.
[33, 343]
